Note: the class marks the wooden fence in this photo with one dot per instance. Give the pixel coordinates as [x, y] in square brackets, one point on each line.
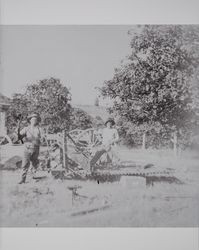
[173, 139]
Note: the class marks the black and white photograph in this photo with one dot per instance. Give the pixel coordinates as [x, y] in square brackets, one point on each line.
[99, 126]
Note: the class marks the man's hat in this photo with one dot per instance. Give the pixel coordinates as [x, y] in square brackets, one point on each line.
[111, 121]
[34, 115]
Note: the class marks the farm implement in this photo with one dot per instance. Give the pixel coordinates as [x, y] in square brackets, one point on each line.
[84, 143]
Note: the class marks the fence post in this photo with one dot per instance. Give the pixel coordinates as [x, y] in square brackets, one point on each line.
[65, 163]
[175, 142]
[144, 141]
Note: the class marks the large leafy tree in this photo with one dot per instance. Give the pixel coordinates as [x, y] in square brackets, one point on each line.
[49, 98]
[152, 90]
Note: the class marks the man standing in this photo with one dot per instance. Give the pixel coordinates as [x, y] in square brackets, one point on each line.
[109, 138]
[32, 136]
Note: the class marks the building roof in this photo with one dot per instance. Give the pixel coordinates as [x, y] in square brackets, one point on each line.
[4, 100]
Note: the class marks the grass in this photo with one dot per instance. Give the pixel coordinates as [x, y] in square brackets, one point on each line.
[129, 202]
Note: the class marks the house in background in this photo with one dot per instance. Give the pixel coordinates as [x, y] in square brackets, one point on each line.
[4, 106]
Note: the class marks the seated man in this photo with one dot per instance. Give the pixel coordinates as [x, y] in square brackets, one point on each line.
[109, 138]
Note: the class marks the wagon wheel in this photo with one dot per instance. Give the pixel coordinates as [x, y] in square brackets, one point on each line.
[86, 140]
[89, 139]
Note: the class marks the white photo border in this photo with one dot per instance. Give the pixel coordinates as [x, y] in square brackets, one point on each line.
[91, 12]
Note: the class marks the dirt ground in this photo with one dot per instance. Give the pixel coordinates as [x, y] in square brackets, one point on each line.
[125, 203]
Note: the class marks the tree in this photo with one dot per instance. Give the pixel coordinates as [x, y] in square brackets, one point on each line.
[80, 119]
[17, 110]
[49, 98]
[98, 122]
[152, 89]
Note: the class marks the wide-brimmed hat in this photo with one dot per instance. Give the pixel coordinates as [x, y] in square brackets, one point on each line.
[111, 120]
[34, 115]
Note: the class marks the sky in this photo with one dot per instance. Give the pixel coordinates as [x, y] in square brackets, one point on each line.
[82, 57]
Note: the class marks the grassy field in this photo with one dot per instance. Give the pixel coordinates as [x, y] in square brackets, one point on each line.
[124, 203]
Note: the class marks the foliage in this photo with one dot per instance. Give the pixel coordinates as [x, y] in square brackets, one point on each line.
[80, 119]
[153, 90]
[49, 98]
